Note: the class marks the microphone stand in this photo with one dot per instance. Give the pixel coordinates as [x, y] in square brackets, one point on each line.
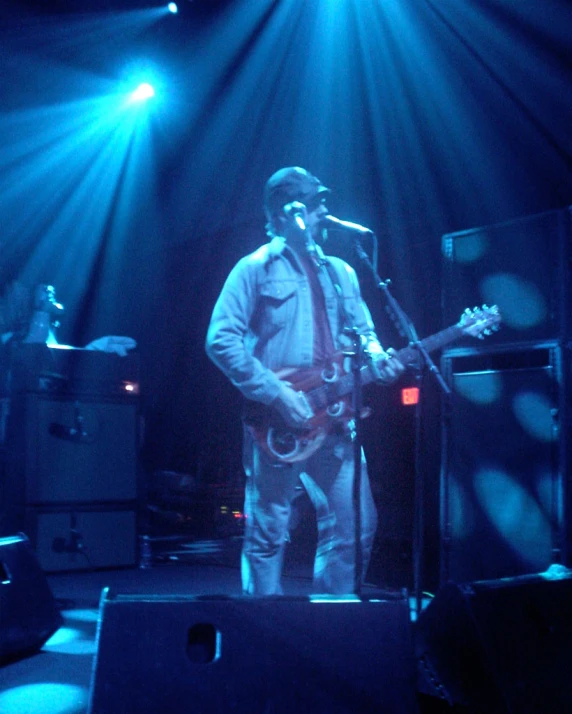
[356, 355]
[424, 363]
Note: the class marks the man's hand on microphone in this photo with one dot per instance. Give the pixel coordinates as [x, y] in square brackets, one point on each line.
[387, 366]
[292, 406]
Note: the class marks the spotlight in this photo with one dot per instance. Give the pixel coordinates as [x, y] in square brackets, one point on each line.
[143, 92]
[172, 7]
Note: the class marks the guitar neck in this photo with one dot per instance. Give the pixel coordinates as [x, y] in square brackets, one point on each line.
[327, 393]
[410, 354]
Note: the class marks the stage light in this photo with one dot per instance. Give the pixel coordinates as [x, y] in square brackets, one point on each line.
[140, 80]
[172, 7]
[143, 92]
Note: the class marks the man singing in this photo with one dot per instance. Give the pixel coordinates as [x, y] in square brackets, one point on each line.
[287, 305]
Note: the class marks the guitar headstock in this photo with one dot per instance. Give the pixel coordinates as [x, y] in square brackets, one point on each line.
[480, 321]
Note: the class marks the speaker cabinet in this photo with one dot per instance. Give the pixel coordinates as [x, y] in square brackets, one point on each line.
[252, 655]
[28, 612]
[81, 538]
[524, 266]
[500, 647]
[72, 450]
[503, 481]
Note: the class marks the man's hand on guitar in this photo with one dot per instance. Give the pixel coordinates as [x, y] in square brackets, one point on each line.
[387, 366]
[292, 406]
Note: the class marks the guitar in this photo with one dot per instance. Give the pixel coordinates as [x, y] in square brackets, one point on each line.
[328, 391]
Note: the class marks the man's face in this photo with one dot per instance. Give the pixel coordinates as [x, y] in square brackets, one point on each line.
[315, 210]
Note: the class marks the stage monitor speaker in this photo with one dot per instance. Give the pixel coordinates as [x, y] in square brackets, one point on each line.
[503, 482]
[28, 612]
[524, 266]
[253, 655]
[500, 647]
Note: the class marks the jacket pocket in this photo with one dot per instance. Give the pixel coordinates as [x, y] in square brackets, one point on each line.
[277, 301]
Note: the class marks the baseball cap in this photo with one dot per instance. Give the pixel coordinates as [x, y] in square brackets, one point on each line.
[290, 184]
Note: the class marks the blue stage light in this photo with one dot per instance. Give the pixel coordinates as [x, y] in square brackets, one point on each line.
[172, 7]
[143, 92]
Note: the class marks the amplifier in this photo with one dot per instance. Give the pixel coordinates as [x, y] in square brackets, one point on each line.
[84, 537]
[71, 450]
[524, 266]
[73, 370]
[505, 470]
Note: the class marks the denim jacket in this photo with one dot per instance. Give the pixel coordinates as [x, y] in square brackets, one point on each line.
[262, 320]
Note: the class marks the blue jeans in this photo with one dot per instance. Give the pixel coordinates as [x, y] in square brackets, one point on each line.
[327, 477]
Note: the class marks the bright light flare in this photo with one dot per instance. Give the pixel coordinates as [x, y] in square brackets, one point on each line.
[172, 7]
[143, 92]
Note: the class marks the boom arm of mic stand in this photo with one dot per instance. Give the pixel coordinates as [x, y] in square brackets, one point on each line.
[403, 320]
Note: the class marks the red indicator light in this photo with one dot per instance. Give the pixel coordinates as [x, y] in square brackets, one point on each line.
[410, 396]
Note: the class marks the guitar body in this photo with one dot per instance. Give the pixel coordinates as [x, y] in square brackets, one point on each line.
[328, 391]
[331, 411]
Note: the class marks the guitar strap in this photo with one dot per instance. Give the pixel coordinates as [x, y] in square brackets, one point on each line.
[320, 261]
[343, 320]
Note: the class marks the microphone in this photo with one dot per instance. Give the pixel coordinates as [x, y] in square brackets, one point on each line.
[295, 210]
[333, 222]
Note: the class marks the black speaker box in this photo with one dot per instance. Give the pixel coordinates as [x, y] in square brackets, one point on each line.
[50, 462]
[28, 612]
[504, 471]
[524, 266]
[37, 367]
[253, 655]
[500, 647]
[82, 538]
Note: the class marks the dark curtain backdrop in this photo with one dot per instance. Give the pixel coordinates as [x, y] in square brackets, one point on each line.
[423, 116]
